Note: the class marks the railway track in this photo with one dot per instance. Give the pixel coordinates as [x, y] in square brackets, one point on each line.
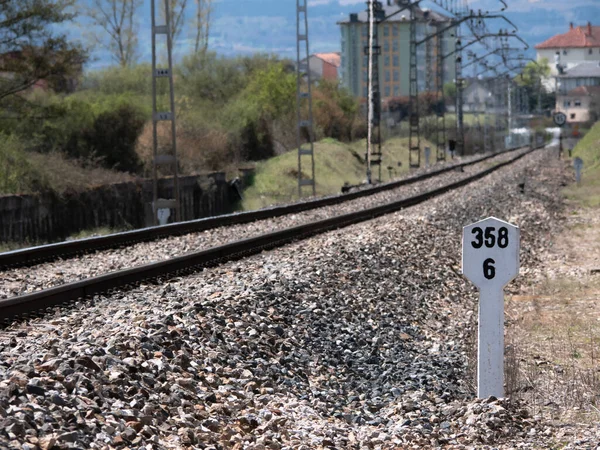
[39, 301]
[63, 250]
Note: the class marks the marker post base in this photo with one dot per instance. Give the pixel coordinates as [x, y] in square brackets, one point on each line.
[490, 348]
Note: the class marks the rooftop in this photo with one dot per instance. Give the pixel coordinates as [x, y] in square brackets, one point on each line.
[589, 69]
[576, 37]
[332, 58]
[585, 90]
[423, 15]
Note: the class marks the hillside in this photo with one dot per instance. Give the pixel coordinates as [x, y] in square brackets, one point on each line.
[336, 163]
[588, 149]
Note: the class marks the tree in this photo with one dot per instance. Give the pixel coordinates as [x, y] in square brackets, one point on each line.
[177, 15]
[531, 79]
[450, 91]
[30, 48]
[118, 20]
[202, 25]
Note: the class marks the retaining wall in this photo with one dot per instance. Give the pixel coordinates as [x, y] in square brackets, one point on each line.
[47, 218]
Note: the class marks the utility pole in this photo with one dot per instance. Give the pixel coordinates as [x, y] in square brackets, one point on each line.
[441, 103]
[161, 207]
[305, 126]
[414, 136]
[460, 128]
[376, 14]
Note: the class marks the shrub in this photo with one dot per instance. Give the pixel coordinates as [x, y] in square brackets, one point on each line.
[113, 136]
[17, 175]
[335, 110]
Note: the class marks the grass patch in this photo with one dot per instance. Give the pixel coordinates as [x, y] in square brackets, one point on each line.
[83, 234]
[587, 194]
[95, 232]
[336, 163]
[29, 172]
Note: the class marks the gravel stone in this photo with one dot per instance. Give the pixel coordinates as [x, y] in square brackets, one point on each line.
[356, 338]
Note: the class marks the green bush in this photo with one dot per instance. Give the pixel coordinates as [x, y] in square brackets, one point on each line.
[120, 80]
[17, 175]
[112, 138]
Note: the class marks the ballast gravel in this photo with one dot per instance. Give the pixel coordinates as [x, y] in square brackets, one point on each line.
[25, 280]
[358, 338]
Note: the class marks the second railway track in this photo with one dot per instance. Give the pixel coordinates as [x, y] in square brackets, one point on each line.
[41, 300]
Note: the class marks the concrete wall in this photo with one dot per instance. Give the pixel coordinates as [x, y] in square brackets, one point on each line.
[30, 218]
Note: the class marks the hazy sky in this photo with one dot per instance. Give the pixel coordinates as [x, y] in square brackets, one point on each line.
[247, 26]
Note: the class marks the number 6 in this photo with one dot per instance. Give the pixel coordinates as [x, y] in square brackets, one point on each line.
[489, 271]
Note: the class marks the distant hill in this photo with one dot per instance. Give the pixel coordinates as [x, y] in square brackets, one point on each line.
[248, 26]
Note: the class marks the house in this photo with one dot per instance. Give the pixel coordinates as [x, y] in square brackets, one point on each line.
[394, 55]
[577, 88]
[564, 51]
[324, 66]
[582, 74]
[13, 62]
[478, 95]
[579, 104]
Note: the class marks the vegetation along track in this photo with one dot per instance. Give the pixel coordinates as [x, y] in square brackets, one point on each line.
[41, 300]
[35, 255]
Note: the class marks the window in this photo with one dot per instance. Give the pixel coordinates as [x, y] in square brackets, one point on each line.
[395, 46]
[365, 76]
[566, 104]
[387, 61]
[395, 29]
[365, 60]
[386, 30]
[386, 46]
[387, 91]
[564, 52]
[396, 91]
[365, 30]
[590, 51]
[396, 75]
[396, 60]
[572, 116]
[577, 102]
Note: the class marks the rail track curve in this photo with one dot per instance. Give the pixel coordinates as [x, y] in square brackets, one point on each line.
[37, 302]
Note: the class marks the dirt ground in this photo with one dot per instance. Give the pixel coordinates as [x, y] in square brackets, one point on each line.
[553, 333]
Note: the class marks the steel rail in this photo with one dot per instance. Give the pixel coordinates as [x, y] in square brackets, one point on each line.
[34, 255]
[41, 300]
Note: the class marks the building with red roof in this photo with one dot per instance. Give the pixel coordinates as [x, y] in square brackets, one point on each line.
[579, 44]
[324, 66]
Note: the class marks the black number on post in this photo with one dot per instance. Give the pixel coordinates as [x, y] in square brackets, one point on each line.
[489, 271]
[503, 237]
[490, 238]
[478, 232]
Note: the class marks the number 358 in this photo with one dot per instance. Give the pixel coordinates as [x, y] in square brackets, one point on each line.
[490, 239]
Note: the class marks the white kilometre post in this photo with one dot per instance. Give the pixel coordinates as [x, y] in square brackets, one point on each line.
[490, 261]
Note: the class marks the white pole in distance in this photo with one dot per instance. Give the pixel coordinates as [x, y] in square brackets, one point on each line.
[490, 262]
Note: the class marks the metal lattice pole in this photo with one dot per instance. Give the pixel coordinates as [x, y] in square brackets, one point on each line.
[304, 100]
[414, 136]
[460, 125]
[373, 51]
[486, 132]
[167, 159]
[441, 103]
[429, 65]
